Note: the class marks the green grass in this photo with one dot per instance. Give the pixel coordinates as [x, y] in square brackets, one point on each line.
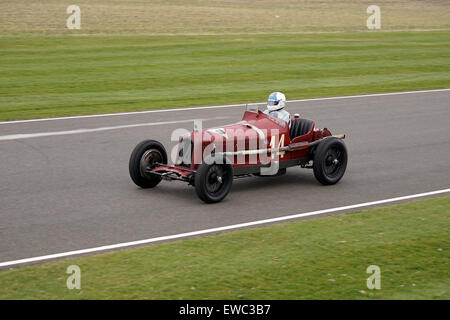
[220, 17]
[138, 55]
[47, 76]
[324, 258]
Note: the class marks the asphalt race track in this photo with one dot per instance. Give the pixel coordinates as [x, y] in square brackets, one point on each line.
[72, 191]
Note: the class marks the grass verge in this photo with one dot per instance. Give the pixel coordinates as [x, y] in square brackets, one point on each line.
[20, 17]
[50, 76]
[323, 258]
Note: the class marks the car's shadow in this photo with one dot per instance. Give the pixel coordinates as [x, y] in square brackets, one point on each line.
[176, 191]
[294, 177]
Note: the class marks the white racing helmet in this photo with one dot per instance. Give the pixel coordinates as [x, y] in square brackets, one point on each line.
[276, 101]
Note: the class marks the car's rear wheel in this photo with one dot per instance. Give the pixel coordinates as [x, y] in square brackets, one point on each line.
[330, 161]
[213, 181]
[146, 156]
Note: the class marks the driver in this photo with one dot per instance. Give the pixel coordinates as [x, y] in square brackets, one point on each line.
[275, 105]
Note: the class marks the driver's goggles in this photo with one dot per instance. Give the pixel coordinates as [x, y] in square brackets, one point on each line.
[272, 102]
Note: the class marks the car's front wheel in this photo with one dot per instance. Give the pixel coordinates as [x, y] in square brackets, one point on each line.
[213, 181]
[145, 156]
[330, 161]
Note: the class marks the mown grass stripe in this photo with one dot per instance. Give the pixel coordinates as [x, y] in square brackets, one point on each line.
[59, 76]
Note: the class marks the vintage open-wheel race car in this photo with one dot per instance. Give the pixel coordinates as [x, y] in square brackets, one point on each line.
[258, 145]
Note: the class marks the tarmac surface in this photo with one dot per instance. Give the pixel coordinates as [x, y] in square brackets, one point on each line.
[65, 184]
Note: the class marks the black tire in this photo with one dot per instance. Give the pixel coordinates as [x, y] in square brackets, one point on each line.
[145, 155]
[209, 189]
[330, 161]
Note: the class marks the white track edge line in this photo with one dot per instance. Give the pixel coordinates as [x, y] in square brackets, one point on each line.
[218, 229]
[19, 136]
[217, 107]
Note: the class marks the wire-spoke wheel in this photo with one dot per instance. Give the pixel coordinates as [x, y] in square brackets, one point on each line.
[330, 161]
[145, 157]
[149, 160]
[213, 181]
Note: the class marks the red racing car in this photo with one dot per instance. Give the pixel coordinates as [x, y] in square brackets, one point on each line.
[258, 145]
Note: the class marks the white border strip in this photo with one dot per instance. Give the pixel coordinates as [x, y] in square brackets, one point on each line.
[217, 107]
[230, 227]
[77, 131]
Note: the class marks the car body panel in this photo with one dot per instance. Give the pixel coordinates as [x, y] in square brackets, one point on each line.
[249, 145]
